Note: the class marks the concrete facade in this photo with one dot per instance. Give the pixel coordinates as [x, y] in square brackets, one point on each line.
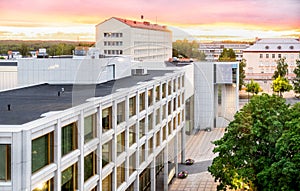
[140, 39]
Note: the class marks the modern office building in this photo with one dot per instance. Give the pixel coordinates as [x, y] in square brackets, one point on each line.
[112, 135]
[89, 124]
[142, 40]
[261, 58]
[213, 50]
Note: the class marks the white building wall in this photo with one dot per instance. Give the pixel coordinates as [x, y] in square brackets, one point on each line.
[72, 71]
[8, 77]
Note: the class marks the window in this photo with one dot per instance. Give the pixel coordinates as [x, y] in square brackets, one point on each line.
[142, 128]
[157, 93]
[45, 186]
[89, 166]
[132, 161]
[157, 116]
[174, 85]
[182, 81]
[5, 162]
[178, 105]
[169, 128]
[267, 55]
[179, 85]
[142, 154]
[157, 135]
[174, 104]
[178, 118]
[279, 47]
[150, 97]
[89, 128]
[174, 123]
[169, 108]
[169, 88]
[121, 112]
[273, 55]
[164, 90]
[164, 129]
[69, 178]
[142, 101]
[106, 119]
[42, 152]
[120, 174]
[68, 138]
[106, 153]
[150, 146]
[107, 183]
[279, 55]
[150, 122]
[164, 112]
[132, 106]
[120, 143]
[261, 56]
[132, 134]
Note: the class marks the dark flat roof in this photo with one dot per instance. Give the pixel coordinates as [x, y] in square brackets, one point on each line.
[29, 103]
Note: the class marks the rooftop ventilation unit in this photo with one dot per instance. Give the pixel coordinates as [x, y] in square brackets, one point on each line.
[139, 71]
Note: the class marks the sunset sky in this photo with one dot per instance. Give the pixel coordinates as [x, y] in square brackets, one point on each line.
[203, 20]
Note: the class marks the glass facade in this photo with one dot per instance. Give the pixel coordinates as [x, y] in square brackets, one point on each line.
[69, 178]
[142, 101]
[150, 97]
[132, 135]
[41, 152]
[150, 122]
[5, 162]
[132, 161]
[120, 174]
[142, 128]
[107, 183]
[121, 112]
[106, 153]
[120, 143]
[68, 138]
[45, 186]
[132, 106]
[106, 119]
[89, 128]
[89, 166]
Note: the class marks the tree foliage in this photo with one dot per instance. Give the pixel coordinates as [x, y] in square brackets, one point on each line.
[281, 68]
[296, 80]
[242, 73]
[253, 87]
[187, 49]
[281, 85]
[260, 148]
[24, 50]
[227, 55]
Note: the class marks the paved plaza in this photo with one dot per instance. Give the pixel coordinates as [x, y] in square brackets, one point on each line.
[199, 148]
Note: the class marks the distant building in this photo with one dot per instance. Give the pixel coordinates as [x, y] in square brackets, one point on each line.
[142, 40]
[213, 50]
[261, 58]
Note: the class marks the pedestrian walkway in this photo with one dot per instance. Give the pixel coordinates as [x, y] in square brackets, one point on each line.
[198, 147]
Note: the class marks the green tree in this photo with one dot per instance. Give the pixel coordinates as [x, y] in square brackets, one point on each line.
[281, 68]
[296, 80]
[186, 49]
[253, 147]
[227, 55]
[242, 74]
[253, 87]
[281, 85]
[24, 50]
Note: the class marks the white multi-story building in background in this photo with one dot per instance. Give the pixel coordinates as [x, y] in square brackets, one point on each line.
[142, 40]
[261, 58]
[213, 50]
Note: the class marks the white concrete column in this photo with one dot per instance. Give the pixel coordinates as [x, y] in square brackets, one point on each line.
[153, 174]
[166, 170]
[114, 146]
[80, 128]
[26, 160]
[99, 147]
[16, 161]
[176, 152]
[57, 155]
[183, 140]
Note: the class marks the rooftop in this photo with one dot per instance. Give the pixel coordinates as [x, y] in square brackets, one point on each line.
[144, 24]
[29, 103]
[275, 45]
